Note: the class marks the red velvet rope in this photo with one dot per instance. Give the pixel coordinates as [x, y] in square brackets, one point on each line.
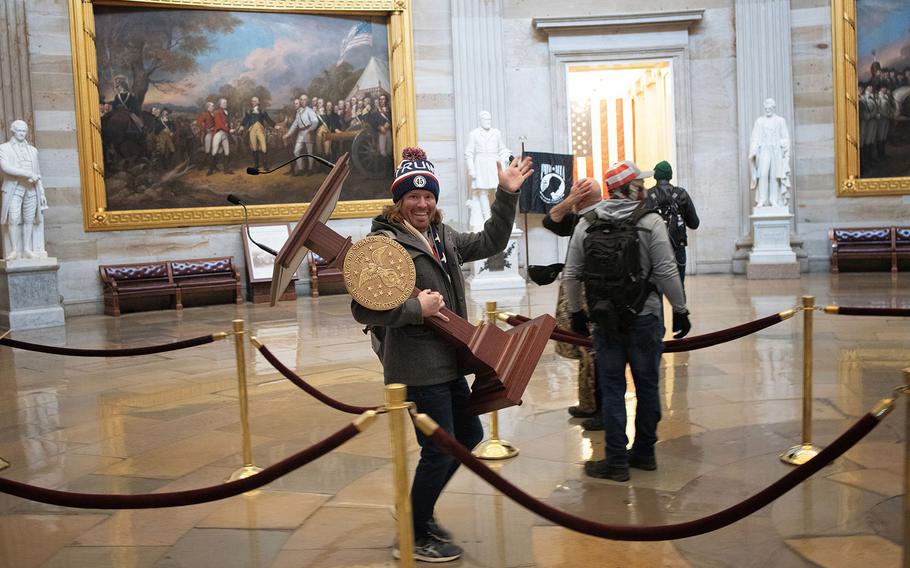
[660, 532]
[127, 352]
[179, 498]
[892, 312]
[310, 389]
[674, 345]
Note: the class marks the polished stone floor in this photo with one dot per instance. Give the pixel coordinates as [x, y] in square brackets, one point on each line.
[170, 422]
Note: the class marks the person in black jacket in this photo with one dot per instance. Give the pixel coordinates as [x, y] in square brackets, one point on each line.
[561, 221]
[676, 207]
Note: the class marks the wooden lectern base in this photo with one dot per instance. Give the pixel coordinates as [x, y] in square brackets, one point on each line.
[502, 361]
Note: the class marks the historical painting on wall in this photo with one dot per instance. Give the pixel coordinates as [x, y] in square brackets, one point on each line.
[873, 98]
[189, 99]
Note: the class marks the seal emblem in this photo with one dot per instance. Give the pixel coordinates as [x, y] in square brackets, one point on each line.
[378, 273]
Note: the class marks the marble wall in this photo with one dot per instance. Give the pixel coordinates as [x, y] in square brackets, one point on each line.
[712, 179]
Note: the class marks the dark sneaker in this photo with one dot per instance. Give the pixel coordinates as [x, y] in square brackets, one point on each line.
[602, 470]
[641, 462]
[577, 412]
[435, 529]
[593, 424]
[431, 549]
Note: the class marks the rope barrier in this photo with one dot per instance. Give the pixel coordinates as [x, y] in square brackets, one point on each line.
[305, 386]
[126, 352]
[192, 496]
[657, 532]
[674, 345]
[847, 311]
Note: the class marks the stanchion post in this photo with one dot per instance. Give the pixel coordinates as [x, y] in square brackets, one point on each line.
[798, 455]
[248, 468]
[494, 448]
[906, 391]
[395, 398]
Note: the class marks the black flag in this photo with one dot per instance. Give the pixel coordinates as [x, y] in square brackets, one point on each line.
[550, 183]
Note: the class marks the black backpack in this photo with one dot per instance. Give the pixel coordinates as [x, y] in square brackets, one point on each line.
[666, 204]
[615, 290]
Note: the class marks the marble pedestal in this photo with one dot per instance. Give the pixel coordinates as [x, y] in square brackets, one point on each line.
[771, 258]
[498, 272]
[29, 297]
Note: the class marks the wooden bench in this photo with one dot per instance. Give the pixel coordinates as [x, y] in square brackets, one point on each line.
[167, 279]
[325, 278]
[870, 248]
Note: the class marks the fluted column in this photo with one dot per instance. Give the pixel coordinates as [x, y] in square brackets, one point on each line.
[763, 70]
[15, 84]
[478, 73]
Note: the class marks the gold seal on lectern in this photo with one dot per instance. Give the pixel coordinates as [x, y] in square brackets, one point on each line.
[378, 273]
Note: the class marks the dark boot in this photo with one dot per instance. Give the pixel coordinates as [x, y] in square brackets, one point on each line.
[211, 166]
[256, 159]
[227, 168]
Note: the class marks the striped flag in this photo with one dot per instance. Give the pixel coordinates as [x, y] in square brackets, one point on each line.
[361, 34]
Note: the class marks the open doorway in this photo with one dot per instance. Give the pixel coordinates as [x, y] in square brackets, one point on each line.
[621, 110]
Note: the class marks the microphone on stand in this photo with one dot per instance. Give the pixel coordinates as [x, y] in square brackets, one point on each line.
[256, 171]
[246, 224]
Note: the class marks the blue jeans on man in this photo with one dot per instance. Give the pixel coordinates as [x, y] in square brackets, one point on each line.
[447, 404]
[641, 346]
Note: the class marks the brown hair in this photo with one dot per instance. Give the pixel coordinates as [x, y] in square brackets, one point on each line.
[393, 213]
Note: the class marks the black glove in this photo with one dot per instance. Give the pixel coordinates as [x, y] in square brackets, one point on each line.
[580, 323]
[681, 324]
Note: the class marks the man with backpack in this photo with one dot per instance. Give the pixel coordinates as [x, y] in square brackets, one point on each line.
[675, 206]
[621, 254]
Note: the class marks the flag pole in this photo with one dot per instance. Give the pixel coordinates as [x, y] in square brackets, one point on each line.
[527, 250]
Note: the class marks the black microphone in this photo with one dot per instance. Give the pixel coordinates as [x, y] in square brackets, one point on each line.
[256, 171]
[246, 224]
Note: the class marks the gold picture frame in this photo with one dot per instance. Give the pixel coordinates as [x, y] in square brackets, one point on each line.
[96, 214]
[848, 136]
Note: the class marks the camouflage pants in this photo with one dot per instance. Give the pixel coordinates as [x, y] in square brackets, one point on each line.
[587, 376]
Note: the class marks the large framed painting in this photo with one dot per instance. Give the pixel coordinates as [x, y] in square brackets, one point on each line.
[872, 96]
[177, 99]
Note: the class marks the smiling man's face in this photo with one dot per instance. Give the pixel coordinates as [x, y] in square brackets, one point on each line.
[418, 206]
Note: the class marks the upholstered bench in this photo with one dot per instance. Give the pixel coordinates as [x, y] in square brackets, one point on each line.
[206, 275]
[902, 248]
[169, 278]
[146, 279]
[865, 249]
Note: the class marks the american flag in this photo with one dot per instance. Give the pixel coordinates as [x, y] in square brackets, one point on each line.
[361, 34]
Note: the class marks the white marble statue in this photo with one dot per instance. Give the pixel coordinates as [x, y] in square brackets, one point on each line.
[24, 203]
[769, 159]
[485, 148]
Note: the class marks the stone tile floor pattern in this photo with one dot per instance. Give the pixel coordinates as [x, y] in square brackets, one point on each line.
[171, 422]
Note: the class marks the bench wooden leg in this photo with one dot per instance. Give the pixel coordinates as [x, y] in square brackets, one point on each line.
[178, 298]
[116, 302]
[239, 294]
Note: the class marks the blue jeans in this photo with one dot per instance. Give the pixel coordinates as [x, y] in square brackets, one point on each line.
[447, 404]
[641, 346]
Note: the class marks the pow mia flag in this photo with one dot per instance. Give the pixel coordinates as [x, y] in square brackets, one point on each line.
[549, 184]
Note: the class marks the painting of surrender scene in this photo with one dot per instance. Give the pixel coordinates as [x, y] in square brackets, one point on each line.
[191, 98]
[883, 74]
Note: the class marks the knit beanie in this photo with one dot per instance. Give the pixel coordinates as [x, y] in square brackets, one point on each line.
[414, 172]
[663, 171]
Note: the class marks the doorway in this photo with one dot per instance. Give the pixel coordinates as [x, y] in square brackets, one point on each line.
[620, 111]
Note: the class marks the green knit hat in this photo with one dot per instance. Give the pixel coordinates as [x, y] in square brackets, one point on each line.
[663, 171]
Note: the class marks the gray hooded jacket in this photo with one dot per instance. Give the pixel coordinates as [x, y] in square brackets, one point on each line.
[412, 353]
[656, 256]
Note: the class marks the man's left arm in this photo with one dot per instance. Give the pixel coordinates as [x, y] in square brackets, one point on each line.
[688, 210]
[495, 235]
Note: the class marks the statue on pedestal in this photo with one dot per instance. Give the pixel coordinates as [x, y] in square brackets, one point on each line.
[484, 151]
[769, 159]
[24, 202]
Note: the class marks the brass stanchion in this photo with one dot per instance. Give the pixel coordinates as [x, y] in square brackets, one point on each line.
[906, 391]
[798, 455]
[248, 468]
[494, 448]
[395, 400]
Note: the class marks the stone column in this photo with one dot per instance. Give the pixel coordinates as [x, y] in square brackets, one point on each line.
[15, 85]
[763, 70]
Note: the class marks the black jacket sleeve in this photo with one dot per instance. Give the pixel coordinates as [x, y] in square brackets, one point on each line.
[688, 210]
[562, 228]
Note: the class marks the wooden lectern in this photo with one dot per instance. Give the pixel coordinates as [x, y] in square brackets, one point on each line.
[502, 361]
